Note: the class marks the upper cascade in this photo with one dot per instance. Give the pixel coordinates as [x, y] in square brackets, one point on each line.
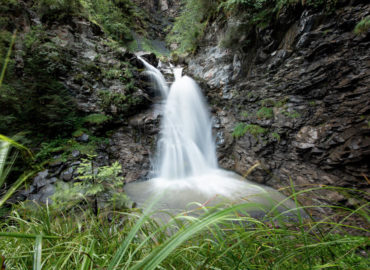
[157, 77]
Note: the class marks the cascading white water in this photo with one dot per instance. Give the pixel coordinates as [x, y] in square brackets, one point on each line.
[186, 165]
[186, 147]
[156, 77]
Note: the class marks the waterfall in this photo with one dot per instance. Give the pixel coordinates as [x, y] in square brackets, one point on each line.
[156, 77]
[186, 168]
[186, 147]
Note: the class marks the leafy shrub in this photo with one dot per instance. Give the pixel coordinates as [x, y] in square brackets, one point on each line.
[94, 182]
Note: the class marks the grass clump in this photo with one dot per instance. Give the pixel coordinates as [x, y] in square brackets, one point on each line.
[265, 113]
[291, 114]
[255, 130]
[363, 26]
[221, 238]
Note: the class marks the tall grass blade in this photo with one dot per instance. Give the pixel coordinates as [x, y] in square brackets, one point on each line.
[304, 235]
[87, 261]
[4, 150]
[16, 145]
[15, 186]
[120, 253]
[162, 252]
[26, 235]
[7, 58]
[37, 253]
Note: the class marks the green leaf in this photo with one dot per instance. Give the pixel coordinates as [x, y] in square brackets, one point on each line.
[37, 253]
[15, 186]
[162, 252]
[16, 145]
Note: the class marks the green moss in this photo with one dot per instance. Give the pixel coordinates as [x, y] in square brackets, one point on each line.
[276, 136]
[108, 98]
[255, 130]
[112, 73]
[291, 114]
[96, 118]
[245, 114]
[281, 103]
[267, 102]
[78, 132]
[363, 26]
[265, 113]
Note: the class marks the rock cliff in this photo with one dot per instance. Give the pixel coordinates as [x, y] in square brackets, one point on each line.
[294, 98]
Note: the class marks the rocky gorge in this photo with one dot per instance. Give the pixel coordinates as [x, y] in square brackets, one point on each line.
[291, 98]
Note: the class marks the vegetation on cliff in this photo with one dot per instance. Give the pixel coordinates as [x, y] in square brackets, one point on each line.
[189, 27]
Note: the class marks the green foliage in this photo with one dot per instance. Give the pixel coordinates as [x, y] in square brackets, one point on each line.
[265, 113]
[120, 102]
[245, 114]
[276, 136]
[234, 4]
[239, 130]
[363, 26]
[291, 114]
[6, 165]
[255, 130]
[220, 238]
[189, 27]
[64, 147]
[280, 103]
[94, 182]
[38, 102]
[312, 103]
[255, 15]
[96, 118]
[57, 10]
[117, 17]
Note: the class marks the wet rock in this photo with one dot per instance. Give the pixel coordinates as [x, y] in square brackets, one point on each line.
[67, 174]
[41, 179]
[83, 138]
[55, 163]
[45, 193]
[75, 153]
[132, 147]
[151, 58]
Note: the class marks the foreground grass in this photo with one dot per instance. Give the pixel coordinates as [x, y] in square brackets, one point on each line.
[41, 238]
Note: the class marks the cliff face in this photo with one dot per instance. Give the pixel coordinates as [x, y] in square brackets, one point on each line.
[296, 96]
